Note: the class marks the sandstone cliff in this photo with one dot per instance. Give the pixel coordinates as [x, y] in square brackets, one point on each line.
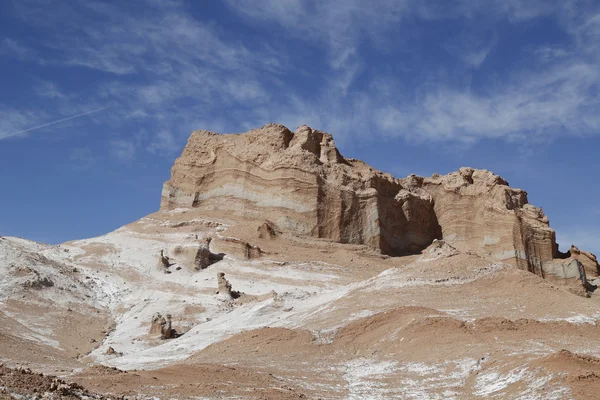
[479, 212]
[304, 185]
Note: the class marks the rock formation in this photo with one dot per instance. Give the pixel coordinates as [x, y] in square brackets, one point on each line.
[38, 282]
[478, 211]
[224, 288]
[234, 247]
[305, 186]
[203, 258]
[267, 231]
[438, 249]
[162, 325]
[111, 351]
[164, 260]
[587, 259]
[303, 183]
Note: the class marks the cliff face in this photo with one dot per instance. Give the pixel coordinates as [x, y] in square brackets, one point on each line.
[303, 184]
[479, 212]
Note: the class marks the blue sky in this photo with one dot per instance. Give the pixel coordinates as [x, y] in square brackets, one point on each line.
[410, 86]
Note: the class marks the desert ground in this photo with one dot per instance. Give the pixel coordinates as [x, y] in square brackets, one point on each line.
[449, 287]
[314, 319]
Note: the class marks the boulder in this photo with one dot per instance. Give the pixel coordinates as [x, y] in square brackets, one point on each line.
[203, 258]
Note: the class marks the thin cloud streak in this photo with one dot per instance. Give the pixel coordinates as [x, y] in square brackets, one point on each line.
[169, 70]
[53, 122]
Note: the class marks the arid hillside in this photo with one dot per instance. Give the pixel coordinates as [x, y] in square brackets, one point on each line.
[278, 269]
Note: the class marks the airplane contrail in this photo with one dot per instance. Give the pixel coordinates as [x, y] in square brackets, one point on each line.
[54, 122]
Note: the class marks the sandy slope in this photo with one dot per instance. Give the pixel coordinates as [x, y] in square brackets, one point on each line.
[318, 319]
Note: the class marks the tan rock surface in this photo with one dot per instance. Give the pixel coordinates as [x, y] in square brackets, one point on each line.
[322, 312]
[479, 212]
[302, 182]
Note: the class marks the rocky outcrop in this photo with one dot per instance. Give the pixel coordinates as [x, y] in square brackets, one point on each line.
[112, 352]
[438, 249]
[234, 247]
[577, 268]
[162, 326]
[38, 282]
[165, 260]
[203, 259]
[267, 231]
[35, 279]
[305, 186]
[587, 260]
[225, 290]
[479, 212]
[194, 256]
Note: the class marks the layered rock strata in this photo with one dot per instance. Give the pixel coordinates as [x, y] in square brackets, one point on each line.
[479, 212]
[305, 186]
[234, 247]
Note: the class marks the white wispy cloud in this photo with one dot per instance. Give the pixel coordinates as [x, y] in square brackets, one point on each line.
[556, 102]
[11, 47]
[164, 143]
[171, 72]
[8, 134]
[473, 46]
[162, 66]
[549, 54]
[14, 120]
[338, 26]
[122, 150]
[49, 89]
[559, 99]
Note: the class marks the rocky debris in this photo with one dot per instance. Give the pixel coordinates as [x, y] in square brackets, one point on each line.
[38, 282]
[267, 231]
[308, 188]
[162, 325]
[224, 288]
[205, 257]
[438, 249]
[165, 261]
[579, 290]
[22, 383]
[235, 248]
[190, 255]
[112, 352]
